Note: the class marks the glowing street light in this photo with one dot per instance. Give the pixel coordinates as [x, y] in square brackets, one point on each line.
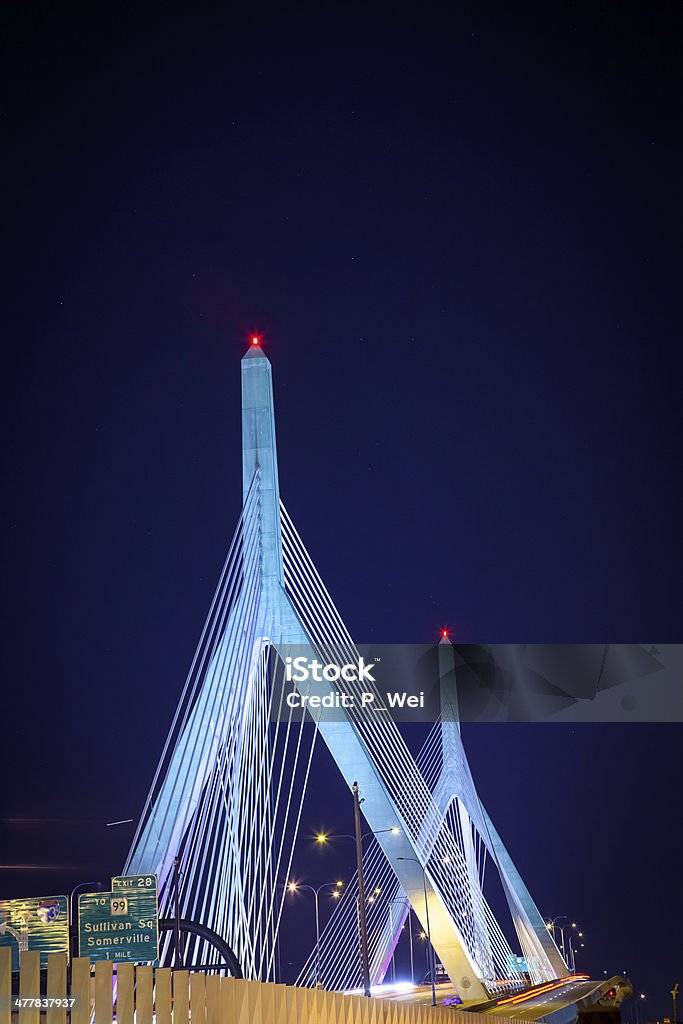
[336, 893]
[550, 925]
[640, 998]
[573, 947]
[323, 839]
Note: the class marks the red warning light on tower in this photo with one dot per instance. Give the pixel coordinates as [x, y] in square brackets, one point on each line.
[444, 634]
[255, 339]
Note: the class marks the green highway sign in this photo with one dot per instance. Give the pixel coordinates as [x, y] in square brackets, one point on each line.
[37, 923]
[121, 925]
[127, 882]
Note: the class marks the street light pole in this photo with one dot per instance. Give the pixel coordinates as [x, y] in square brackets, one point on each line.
[572, 951]
[551, 929]
[294, 887]
[317, 939]
[403, 902]
[74, 923]
[391, 939]
[362, 919]
[432, 967]
[429, 938]
[674, 994]
[322, 838]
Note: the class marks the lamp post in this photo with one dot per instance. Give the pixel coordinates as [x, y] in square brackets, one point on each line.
[74, 922]
[423, 937]
[335, 886]
[674, 995]
[550, 924]
[358, 838]
[402, 901]
[572, 949]
[432, 968]
[323, 838]
[637, 1012]
[410, 940]
[362, 920]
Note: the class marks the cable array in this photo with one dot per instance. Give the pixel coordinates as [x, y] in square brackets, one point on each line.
[435, 841]
[228, 793]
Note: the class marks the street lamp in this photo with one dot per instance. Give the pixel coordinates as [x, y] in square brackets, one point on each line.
[429, 934]
[335, 886]
[550, 925]
[637, 1012]
[422, 936]
[404, 902]
[322, 838]
[74, 923]
[362, 920]
[572, 950]
[410, 940]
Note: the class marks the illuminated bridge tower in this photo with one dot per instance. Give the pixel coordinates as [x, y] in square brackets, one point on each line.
[228, 793]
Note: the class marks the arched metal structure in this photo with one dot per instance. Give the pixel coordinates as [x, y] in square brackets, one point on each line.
[168, 925]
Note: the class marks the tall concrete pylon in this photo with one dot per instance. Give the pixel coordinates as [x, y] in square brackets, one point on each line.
[221, 740]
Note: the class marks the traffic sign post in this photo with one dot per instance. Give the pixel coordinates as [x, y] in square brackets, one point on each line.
[121, 925]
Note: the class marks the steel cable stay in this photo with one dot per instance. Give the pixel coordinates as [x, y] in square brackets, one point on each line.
[228, 793]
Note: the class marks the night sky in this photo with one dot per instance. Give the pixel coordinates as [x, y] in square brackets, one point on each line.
[455, 234]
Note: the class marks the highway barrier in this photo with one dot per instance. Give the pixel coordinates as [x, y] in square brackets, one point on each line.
[109, 993]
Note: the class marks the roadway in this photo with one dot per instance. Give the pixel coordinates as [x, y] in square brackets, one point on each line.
[529, 1006]
[532, 1005]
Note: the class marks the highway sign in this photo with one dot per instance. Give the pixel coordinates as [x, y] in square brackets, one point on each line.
[121, 925]
[37, 923]
[145, 882]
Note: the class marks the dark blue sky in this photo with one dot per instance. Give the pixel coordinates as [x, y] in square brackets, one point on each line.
[455, 234]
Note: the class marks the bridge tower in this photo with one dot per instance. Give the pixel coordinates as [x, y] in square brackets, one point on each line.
[229, 790]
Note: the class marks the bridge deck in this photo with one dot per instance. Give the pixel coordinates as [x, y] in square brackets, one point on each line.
[536, 1005]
